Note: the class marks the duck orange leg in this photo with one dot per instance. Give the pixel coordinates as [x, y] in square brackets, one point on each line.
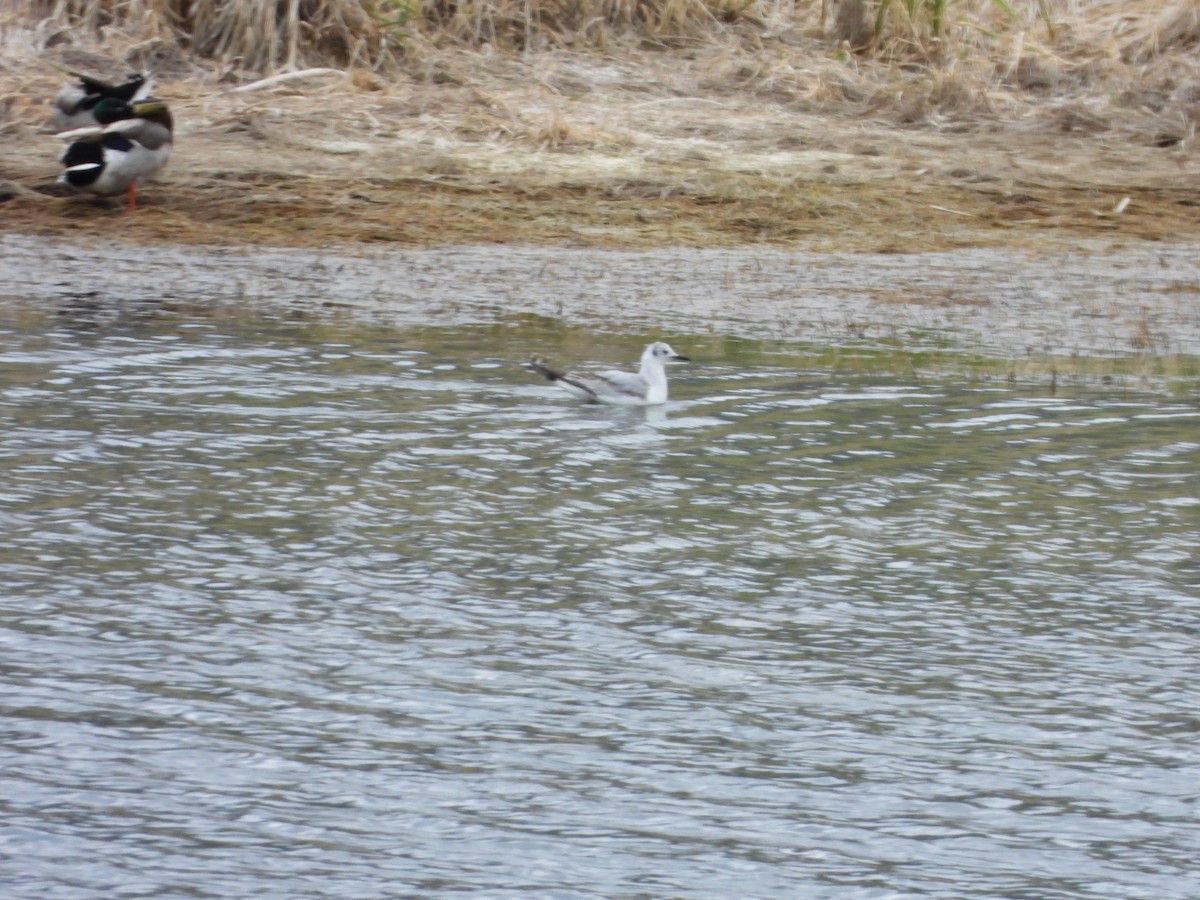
[132, 204]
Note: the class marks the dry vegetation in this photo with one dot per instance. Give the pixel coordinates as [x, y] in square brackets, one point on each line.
[886, 124]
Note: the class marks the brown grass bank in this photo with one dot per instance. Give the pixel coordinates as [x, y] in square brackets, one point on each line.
[901, 125]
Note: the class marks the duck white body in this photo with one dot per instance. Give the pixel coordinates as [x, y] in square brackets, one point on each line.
[132, 143]
[646, 387]
[121, 166]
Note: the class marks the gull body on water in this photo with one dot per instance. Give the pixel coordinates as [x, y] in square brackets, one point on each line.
[646, 387]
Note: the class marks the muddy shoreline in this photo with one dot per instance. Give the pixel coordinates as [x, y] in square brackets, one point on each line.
[644, 151]
[637, 193]
[1014, 312]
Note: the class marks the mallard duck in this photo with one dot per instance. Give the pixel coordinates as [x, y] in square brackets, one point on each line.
[75, 104]
[130, 142]
[646, 388]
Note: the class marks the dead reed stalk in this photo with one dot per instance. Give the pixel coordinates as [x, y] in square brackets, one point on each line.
[1027, 44]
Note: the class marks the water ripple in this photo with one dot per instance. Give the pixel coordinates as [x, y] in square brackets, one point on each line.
[301, 613]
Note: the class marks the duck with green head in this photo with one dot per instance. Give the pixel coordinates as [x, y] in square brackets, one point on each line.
[130, 142]
[75, 104]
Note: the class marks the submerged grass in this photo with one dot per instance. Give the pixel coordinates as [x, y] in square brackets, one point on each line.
[1175, 374]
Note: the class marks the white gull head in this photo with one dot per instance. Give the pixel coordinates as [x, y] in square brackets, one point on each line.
[647, 387]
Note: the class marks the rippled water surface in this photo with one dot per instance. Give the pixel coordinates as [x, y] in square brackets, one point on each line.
[314, 607]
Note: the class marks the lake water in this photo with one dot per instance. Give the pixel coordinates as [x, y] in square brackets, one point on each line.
[299, 603]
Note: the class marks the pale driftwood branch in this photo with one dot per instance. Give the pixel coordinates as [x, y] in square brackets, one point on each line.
[278, 79]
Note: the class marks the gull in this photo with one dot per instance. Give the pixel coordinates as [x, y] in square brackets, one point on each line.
[648, 387]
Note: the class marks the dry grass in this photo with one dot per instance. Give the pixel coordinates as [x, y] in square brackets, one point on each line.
[578, 24]
[919, 61]
[268, 34]
[258, 35]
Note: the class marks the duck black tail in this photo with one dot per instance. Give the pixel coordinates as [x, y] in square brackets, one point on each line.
[84, 161]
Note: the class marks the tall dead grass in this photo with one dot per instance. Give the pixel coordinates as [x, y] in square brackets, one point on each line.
[1028, 44]
[536, 24]
[266, 35]
[260, 35]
